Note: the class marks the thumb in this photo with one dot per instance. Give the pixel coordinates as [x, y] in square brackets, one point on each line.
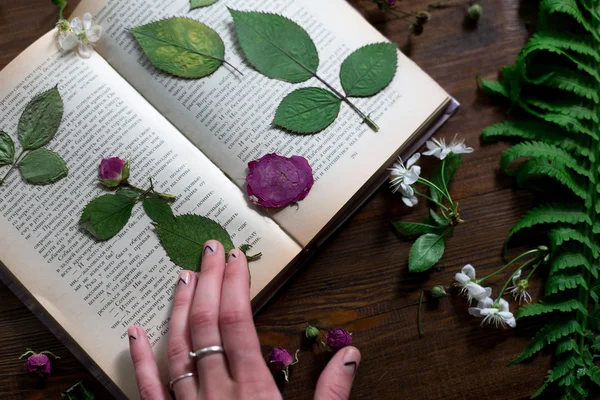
[335, 382]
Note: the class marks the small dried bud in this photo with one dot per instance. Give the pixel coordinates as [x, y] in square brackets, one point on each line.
[280, 360]
[337, 339]
[311, 332]
[423, 17]
[113, 171]
[474, 12]
[416, 29]
[438, 291]
[38, 364]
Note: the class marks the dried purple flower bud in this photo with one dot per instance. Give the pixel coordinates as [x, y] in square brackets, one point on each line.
[311, 332]
[113, 171]
[280, 360]
[275, 181]
[39, 365]
[337, 339]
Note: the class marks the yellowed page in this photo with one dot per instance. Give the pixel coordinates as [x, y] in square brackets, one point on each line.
[96, 290]
[229, 116]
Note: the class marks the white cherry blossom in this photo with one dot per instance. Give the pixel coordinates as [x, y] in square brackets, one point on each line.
[80, 33]
[403, 176]
[496, 314]
[469, 286]
[439, 149]
[519, 288]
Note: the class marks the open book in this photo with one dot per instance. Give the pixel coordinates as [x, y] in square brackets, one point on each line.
[195, 138]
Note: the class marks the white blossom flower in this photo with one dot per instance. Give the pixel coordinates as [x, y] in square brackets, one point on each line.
[466, 281]
[82, 33]
[402, 176]
[519, 288]
[494, 314]
[439, 149]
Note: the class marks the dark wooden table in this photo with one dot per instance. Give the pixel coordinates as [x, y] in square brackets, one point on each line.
[359, 280]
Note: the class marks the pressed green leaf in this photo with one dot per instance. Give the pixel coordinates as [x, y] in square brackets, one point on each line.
[105, 216]
[561, 282]
[452, 162]
[425, 252]
[158, 210]
[553, 169]
[78, 392]
[201, 3]
[549, 334]
[128, 194]
[414, 228]
[40, 119]
[540, 308]
[183, 238]
[307, 110]
[181, 46]
[369, 69]
[7, 149]
[276, 46]
[42, 167]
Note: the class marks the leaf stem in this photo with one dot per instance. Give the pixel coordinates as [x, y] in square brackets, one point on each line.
[419, 325]
[231, 65]
[433, 201]
[444, 185]
[16, 163]
[433, 185]
[343, 98]
[509, 264]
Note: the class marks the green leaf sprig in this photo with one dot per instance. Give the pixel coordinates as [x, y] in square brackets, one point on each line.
[556, 82]
[281, 49]
[182, 236]
[182, 47]
[37, 127]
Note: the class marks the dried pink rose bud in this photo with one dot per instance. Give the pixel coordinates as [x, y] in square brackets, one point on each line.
[275, 181]
[38, 364]
[338, 338]
[113, 171]
[280, 360]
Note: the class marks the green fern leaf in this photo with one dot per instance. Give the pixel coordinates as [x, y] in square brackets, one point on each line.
[564, 79]
[594, 374]
[540, 390]
[568, 107]
[563, 367]
[570, 8]
[559, 283]
[551, 169]
[494, 88]
[567, 260]
[540, 308]
[565, 41]
[549, 334]
[567, 345]
[559, 236]
[567, 122]
[540, 149]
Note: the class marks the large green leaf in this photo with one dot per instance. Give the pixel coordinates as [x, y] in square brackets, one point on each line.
[158, 210]
[307, 110]
[183, 239]
[105, 216]
[42, 167]
[40, 119]
[276, 46]
[425, 252]
[7, 149]
[181, 46]
[201, 3]
[369, 69]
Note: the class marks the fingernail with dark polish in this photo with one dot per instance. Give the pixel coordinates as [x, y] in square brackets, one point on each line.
[232, 254]
[208, 250]
[131, 337]
[351, 365]
[184, 278]
[351, 360]
[132, 333]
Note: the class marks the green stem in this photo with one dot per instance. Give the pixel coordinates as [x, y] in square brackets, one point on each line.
[509, 264]
[419, 314]
[16, 163]
[532, 271]
[445, 186]
[512, 275]
[433, 185]
[433, 201]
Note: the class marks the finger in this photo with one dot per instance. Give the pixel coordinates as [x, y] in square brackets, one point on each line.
[238, 332]
[204, 322]
[336, 380]
[146, 371]
[180, 340]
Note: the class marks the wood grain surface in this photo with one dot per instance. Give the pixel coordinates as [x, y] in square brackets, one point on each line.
[359, 280]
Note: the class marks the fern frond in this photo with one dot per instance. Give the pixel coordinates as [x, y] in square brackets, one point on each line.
[549, 334]
[551, 214]
[564, 79]
[570, 8]
[540, 149]
[566, 107]
[566, 345]
[559, 283]
[569, 123]
[494, 88]
[551, 169]
[594, 374]
[568, 260]
[570, 41]
[559, 236]
[540, 308]
[563, 367]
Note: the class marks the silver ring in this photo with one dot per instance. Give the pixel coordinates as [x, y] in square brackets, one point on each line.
[181, 377]
[198, 354]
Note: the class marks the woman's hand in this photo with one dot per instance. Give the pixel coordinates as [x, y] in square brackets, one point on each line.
[212, 308]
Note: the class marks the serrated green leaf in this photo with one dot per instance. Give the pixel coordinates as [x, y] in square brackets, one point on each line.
[40, 119]
[184, 236]
[276, 46]
[452, 162]
[549, 334]
[201, 3]
[530, 310]
[438, 219]
[412, 228]
[307, 110]
[181, 46]
[105, 216]
[425, 252]
[78, 392]
[561, 282]
[128, 194]
[369, 69]
[7, 149]
[158, 210]
[42, 167]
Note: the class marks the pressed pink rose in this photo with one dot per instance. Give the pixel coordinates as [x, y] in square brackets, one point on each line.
[113, 171]
[280, 358]
[275, 181]
[338, 338]
[39, 365]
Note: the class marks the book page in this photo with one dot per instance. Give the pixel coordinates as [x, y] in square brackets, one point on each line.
[95, 290]
[228, 116]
